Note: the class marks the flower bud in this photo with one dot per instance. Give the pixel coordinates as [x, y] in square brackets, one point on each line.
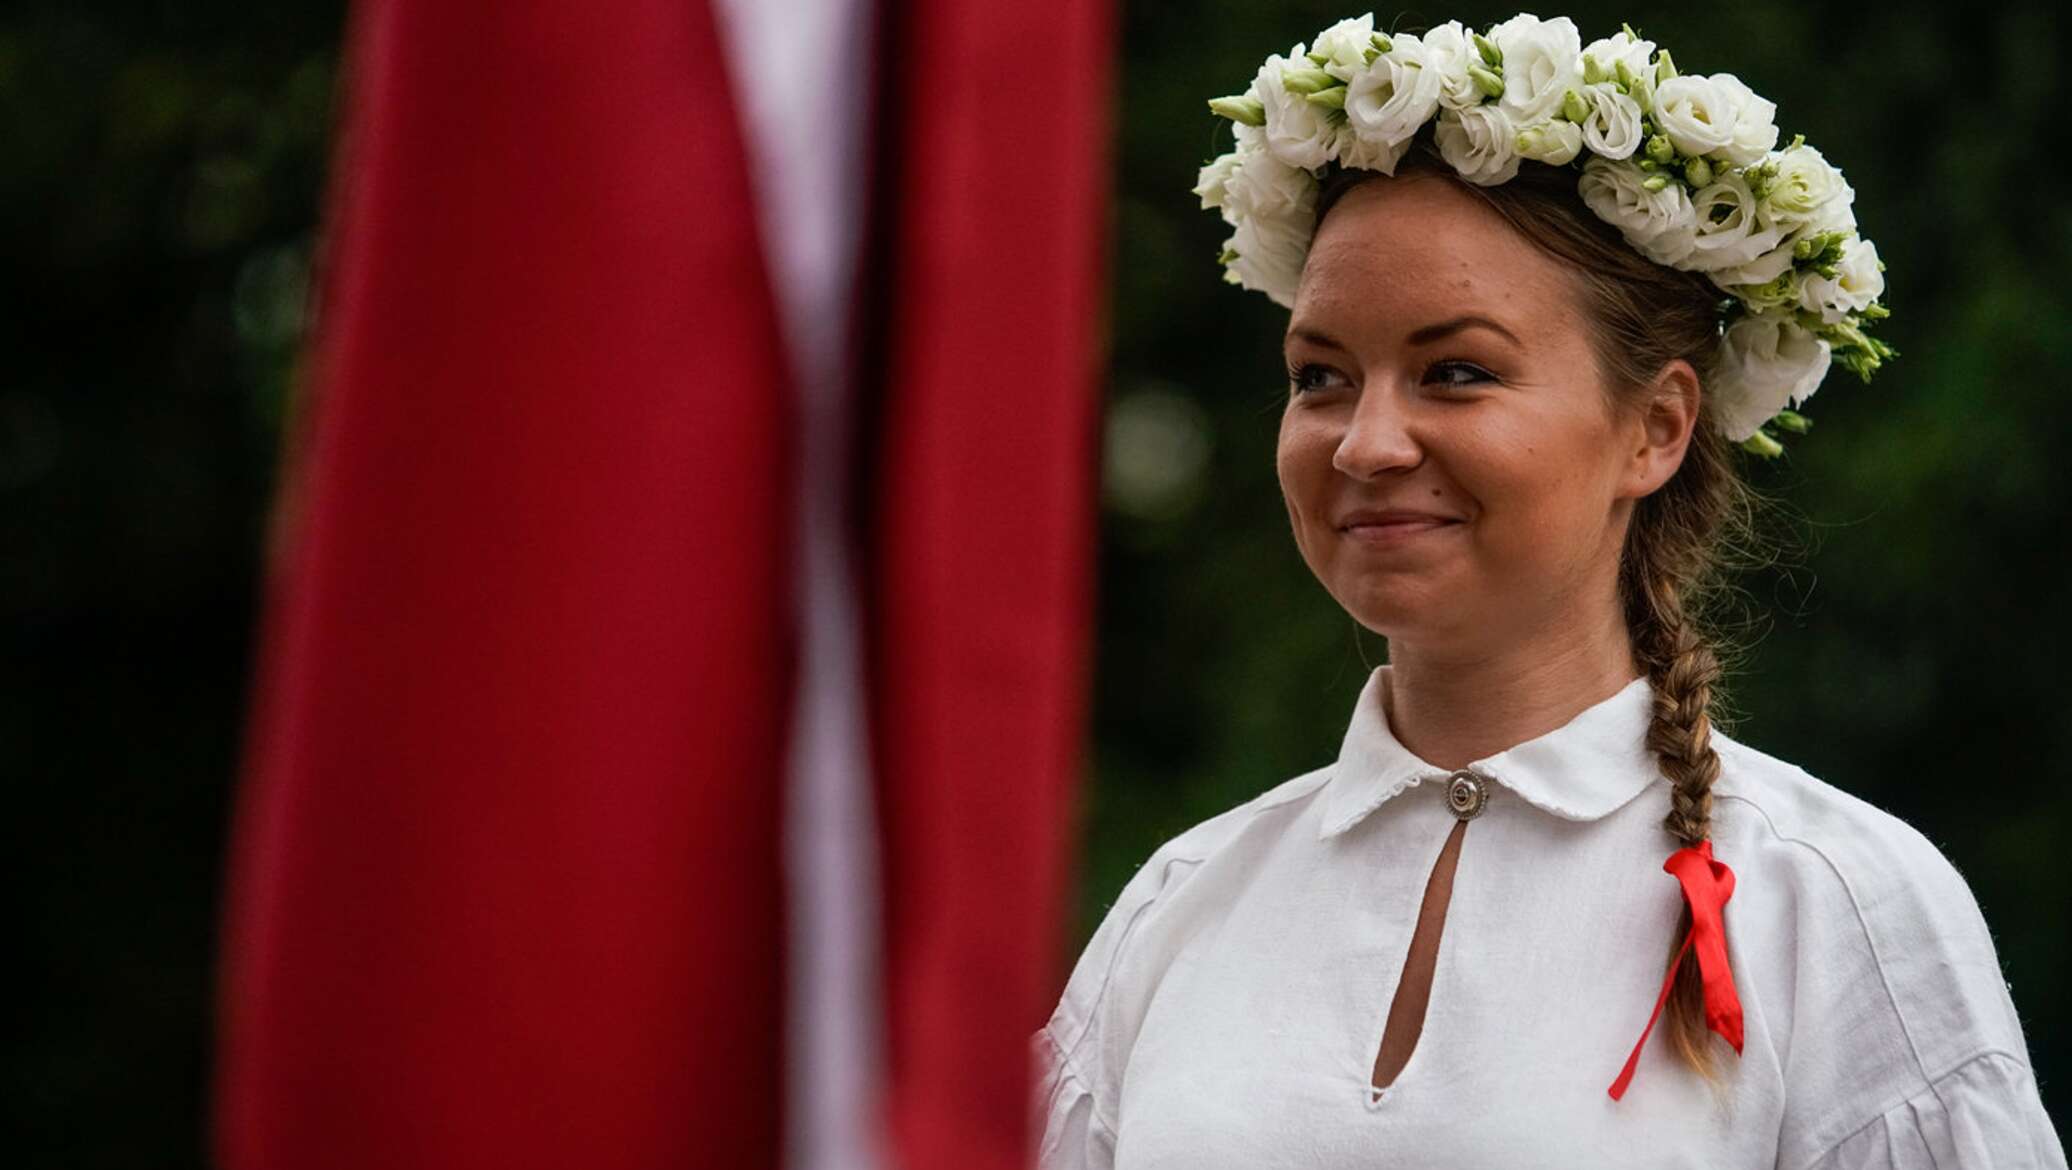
[1665, 67]
[1655, 182]
[1642, 91]
[1660, 150]
[1792, 420]
[1241, 108]
[1574, 108]
[1306, 80]
[1759, 179]
[1490, 53]
[1698, 172]
[1382, 44]
[1486, 81]
[1762, 444]
[1330, 99]
[1593, 72]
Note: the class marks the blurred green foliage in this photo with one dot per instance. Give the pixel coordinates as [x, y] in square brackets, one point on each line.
[165, 171]
[164, 164]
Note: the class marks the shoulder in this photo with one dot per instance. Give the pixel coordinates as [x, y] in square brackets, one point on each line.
[1890, 980]
[1211, 836]
[1165, 872]
[1877, 872]
[1103, 1000]
[1889, 872]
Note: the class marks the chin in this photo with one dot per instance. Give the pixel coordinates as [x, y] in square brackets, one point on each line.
[1389, 612]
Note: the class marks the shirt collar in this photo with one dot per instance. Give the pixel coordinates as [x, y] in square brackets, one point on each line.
[1580, 771]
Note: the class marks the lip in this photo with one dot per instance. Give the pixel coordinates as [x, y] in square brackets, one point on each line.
[1393, 526]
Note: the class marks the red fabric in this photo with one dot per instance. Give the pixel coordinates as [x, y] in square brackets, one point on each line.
[506, 886]
[984, 508]
[1706, 884]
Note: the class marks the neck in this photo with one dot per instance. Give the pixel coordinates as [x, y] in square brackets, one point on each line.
[1452, 709]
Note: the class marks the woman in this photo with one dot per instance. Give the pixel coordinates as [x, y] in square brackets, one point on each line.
[1509, 447]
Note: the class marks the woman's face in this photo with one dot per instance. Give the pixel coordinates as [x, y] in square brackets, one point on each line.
[1440, 367]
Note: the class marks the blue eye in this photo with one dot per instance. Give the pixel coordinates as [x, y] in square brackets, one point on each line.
[1307, 376]
[1468, 374]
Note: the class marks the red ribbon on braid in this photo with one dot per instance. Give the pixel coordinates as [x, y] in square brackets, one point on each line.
[1707, 884]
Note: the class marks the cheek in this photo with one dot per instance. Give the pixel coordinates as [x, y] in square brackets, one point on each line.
[1541, 494]
[1302, 461]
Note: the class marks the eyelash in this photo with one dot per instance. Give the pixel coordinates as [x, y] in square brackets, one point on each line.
[1298, 369]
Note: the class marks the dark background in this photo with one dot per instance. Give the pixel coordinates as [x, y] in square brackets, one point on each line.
[158, 209]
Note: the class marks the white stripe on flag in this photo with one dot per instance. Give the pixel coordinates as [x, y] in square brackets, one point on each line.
[801, 77]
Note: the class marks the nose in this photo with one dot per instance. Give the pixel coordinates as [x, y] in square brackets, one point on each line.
[1378, 437]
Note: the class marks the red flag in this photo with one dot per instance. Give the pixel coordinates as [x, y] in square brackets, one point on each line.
[985, 486]
[506, 889]
[508, 886]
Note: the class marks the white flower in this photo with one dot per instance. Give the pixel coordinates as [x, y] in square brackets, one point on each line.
[1729, 234]
[1345, 44]
[1836, 215]
[1661, 225]
[1273, 208]
[1800, 187]
[1608, 52]
[1356, 153]
[1754, 128]
[1613, 128]
[1270, 251]
[1767, 362]
[1297, 131]
[1480, 142]
[1215, 180]
[1762, 268]
[1542, 62]
[1448, 53]
[1551, 141]
[1780, 292]
[1858, 280]
[1697, 115]
[1259, 183]
[1395, 96]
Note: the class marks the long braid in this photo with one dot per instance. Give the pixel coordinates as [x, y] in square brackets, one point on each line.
[1683, 669]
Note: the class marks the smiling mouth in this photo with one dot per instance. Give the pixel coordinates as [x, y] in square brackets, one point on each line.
[1395, 531]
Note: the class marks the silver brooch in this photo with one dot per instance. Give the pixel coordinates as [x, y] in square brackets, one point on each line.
[1466, 795]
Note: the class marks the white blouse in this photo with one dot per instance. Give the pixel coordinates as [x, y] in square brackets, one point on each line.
[1228, 1011]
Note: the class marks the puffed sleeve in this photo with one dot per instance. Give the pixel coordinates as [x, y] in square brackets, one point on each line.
[1079, 1055]
[1984, 1114]
[1905, 1049]
[1068, 1133]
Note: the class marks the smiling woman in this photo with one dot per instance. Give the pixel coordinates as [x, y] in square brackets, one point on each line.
[1508, 446]
[1427, 331]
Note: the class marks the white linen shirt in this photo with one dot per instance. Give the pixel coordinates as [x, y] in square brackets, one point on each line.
[1228, 1010]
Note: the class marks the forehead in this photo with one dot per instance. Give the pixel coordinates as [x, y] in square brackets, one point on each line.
[1398, 253]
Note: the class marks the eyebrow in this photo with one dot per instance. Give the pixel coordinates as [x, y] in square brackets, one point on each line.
[1444, 328]
[1314, 337]
[1422, 336]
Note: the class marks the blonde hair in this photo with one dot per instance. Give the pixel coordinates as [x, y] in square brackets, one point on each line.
[1684, 537]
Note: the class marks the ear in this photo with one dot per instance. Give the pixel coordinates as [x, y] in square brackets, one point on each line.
[1656, 436]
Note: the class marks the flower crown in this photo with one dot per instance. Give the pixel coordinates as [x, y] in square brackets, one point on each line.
[1685, 166]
